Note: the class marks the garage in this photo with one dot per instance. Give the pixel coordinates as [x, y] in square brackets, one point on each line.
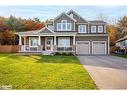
[82, 47]
[98, 47]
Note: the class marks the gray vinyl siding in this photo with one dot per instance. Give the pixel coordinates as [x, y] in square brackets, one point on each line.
[64, 17]
[91, 38]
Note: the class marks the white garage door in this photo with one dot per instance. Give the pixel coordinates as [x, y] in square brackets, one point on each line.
[98, 47]
[82, 47]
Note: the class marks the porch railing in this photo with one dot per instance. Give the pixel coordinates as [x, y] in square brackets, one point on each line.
[64, 49]
[25, 48]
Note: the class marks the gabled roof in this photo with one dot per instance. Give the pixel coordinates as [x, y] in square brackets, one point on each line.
[45, 30]
[73, 12]
[63, 13]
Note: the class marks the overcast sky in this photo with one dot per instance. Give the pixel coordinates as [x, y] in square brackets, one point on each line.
[48, 12]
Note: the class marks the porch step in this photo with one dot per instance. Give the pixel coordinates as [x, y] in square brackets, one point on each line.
[47, 52]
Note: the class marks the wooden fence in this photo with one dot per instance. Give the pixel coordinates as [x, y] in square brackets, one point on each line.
[9, 48]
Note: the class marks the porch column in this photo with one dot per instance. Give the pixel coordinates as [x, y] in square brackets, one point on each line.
[73, 40]
[24, 43]
[20, 40]
[54, 47]
[39, 40]
[54, 40]
[39, 44]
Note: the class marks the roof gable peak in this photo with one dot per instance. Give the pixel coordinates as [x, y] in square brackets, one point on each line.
[63, 13]
[75, 13]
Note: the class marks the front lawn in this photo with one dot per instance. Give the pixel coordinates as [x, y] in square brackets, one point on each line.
[124, 55]
[43, 72]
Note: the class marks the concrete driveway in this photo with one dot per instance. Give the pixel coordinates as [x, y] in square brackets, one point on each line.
[108, 72]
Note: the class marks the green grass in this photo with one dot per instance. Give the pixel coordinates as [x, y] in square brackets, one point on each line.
[43, 72]
[124, 55]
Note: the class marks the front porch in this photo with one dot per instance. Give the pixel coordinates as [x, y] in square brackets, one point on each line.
[52, 44]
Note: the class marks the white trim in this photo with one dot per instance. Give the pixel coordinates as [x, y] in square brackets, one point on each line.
[100, 26]
[79, 26]
[39, 40]
[83, 41]
[24, 43]
[73, 40]
[93, 26]
[20, 40]
[54, 40]
[104, 44]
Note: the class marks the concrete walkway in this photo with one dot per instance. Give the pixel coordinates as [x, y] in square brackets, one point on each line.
[108, 72]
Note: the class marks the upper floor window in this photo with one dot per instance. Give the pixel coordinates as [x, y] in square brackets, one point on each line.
[100, 29]
[82, 28]
[93, 29]
[64, 26]
[50, 27]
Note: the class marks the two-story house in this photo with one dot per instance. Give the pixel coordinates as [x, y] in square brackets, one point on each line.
[67, 33]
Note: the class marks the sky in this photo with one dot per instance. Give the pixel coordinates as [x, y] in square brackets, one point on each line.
[49, 12]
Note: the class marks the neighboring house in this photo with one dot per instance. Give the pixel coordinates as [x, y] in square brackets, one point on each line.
[68, 33]
[122, 42]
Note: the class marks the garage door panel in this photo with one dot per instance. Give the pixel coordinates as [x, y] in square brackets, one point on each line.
[82, 47]
[98, 47]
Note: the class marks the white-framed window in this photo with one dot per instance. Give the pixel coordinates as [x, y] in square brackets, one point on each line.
[82, 28]
[93, 29]
[50, 27]
[58, 26]
[64, 42]
[100, 29]
[33, 41]
[63, 26]
[68, 26]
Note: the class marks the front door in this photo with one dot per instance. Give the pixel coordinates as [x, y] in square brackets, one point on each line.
[49, 43]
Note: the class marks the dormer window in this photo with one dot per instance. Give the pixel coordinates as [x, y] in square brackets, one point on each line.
[64, 26]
